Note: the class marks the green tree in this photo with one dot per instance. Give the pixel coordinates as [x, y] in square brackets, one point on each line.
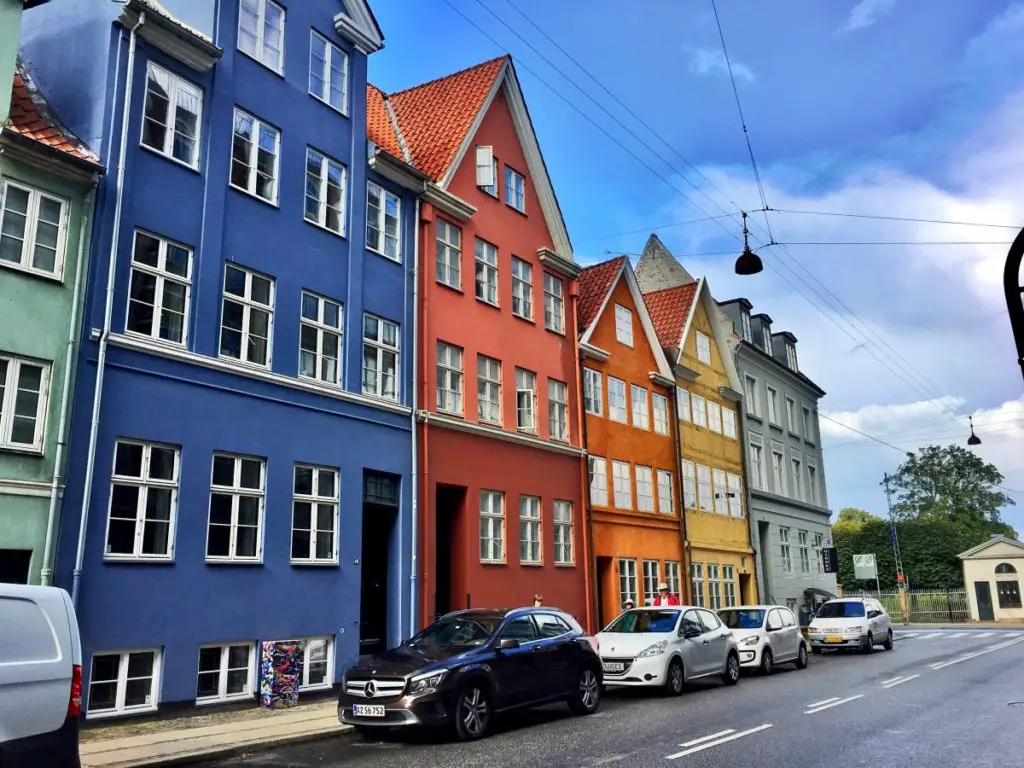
[852, 519]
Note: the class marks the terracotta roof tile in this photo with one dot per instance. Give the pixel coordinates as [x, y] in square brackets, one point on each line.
[379, 128]
[669, 309]
[595, 283]
[32, 117]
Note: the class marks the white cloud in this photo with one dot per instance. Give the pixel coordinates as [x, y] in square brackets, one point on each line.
[867, 12]
[711, 61]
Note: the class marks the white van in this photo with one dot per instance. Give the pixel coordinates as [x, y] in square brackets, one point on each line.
[40, 678]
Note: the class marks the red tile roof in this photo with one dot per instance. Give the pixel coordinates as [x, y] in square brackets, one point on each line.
[32, 118]
[379, 128]
[435, 117]
[595, 283]
[669, 310]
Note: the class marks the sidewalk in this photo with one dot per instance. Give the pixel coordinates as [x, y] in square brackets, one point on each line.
[205, 736]
[966, 626]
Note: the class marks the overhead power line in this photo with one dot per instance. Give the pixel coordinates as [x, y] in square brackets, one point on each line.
[897, 218]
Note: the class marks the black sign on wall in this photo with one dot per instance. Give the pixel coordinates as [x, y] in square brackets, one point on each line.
[830, 560]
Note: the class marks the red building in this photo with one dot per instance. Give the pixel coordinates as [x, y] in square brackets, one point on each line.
[502, 473]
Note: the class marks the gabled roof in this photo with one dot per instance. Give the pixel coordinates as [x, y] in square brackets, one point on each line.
[379, 126]
[670, 309]
[33, 119]
[997, 539]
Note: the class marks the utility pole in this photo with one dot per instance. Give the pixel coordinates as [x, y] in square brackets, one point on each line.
[901, 581]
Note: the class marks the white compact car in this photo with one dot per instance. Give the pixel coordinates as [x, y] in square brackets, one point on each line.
[851, 622]
[766, 635]
[668, 647]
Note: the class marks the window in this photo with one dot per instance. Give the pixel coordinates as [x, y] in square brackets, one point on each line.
[705, 494]
[449, 378]
[492, 188]
[651, 579]
[383, 219]
[526, 400]
[529, 530]
[143, 501]
[173, 116]
[236, 509]
[488, 389]
[492, 527]
[812, 484]
[819, 544]
[598, 481]
[660, 413]
[672, 578]
[704, 356]
[699, 410]
[255, 156]
[714, 417]
[558, 409]
[316, 663]
[380, 357]
[784, 552]
[23, 393]
[515, 190]
[750, 391]
[682, 404]
[261, 32]
[735, 486]
[791, 357]
[766, 334]
[729, 422]
[315, 515]
[689, 485]
[773, 405]
[554, 304]
[563, 533]
[797, 485]
[486, 272]
[592, 394]
[622, 485]
[665, 501]
[522, 289]
[729, 584]
[449, 254]
[721, 491]
[756, 463]
[627, 581]
[623, 325]
[808, 425]
[714, 588]
[325, 197]
[328, 72]
[320, 339]
[745, 327]
[120, 683]
[791, 421]
[644, 489]
[550, 626]
[617, 400]
[33, 228]
[697, 583]
[778, 471]
[247, 316]
[804, 552]
[1008, 593]
[158, 296]
[638, 396]
[225, 672]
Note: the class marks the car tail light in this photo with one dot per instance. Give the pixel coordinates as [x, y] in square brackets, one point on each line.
[75, 702]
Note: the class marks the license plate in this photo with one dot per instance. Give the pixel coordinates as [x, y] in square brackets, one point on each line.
[368, 710]
[833, 639]
[613, 666]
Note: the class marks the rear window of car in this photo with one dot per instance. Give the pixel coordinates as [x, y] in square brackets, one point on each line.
[644, 621]
[733, 619]
[27, 633]
[843, 610]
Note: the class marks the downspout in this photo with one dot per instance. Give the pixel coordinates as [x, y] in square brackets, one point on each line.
[685, 544]
[425, 474]
[84, 235]
[414, 531]
[741, 411]
[589, 557]
[101, 358]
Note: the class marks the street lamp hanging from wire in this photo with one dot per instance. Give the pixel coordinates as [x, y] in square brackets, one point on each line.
[748, 263]
[973, 439]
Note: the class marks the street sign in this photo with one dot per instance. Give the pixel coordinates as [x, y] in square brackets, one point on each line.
[864, 567]
[830, 560]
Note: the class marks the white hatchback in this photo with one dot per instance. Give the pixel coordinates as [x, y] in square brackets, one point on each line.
[851, 622]
[766, 635]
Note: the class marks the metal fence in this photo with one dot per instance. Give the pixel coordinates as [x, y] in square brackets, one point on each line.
[938, 606]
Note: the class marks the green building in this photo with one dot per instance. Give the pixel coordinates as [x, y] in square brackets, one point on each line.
[47, 180]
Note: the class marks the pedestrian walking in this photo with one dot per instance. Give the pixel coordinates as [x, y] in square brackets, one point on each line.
[664, 596]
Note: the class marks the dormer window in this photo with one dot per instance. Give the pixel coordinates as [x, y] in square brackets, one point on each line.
[791, 357]
[745, 332]
[767, 338]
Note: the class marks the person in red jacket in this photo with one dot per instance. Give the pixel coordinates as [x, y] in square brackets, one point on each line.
[664, 596]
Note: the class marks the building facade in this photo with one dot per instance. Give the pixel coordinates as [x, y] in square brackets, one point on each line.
[631, 439]
[789, 514]
[501, 475]
[241, 442]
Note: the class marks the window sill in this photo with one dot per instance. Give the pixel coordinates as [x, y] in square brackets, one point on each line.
[22, 450]
[565, 565]
[493, 195]
[487, 303]
[451, 414]
[531, 320]
[336, 110]
[172, 159]
[141, 560]
[775, 426]
[106, 715]
[513, 208]
[228, 561]
[531, 564]
[755, 416]
[245, 363]
[225, 700]
[183, 345]
[384, 256]
[493, 562]
[555, 331]
[340, 235]
[50, 277]
[332, 385]
[531, 432]
[250, 57]
[315, 563]
[495, 424]
[381, 398]
[453, 288]
[254, 196]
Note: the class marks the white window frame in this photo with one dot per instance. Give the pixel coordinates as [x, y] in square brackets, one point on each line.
[699, 407]
[729, 585]
[773, 405]
[120, 708]
[729, 423]
[522, 288]
[720, 481]
[644, 489]
[236, 492]
[259, 52]
[757, 461]
[735, 489]
[488, 388]
[666, 500]
[623, 325]
[144, 483]
[161, 277]
[379, 217]
[492, 510]
[697, 583]
[554, 304]
[672, 576]
[175, 85]
[593, 392]
[328, 682]
[565, 551]
[531, 541]
[526, 400]
[558, 410]
[316, 499]
[485, 275]
[8, 401]
[598, 467]
[29, 239]
[323, 331]
[797, 466]
[222, 677]
[745, 331]
[638, 405]
[689, 470]
[252, 163]
[808, 424]
[752, 395]
[812, 482]
[785, 550]
[779, 471]
[627, 581]
[683, 405]
[651, 574]
[322, 184]
[248, 305]
[705, 489]
[659, 405]
[487, 166]
[703, 348]
[818, 545]
[515, 189]
[622, 485]
[617, 410]
[714, 588]
[804, 552]
[449, 378]
[791, 422]
[448, 246]
[326, 74]
[381, 348]
[791, 357]
[714, 416]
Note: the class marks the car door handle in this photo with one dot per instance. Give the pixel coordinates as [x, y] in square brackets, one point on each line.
[724, 634]
[705, 642]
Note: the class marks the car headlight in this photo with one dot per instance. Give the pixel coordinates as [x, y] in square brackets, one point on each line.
[653, 650]
[750, 642]
[427, 682]
[854, 630]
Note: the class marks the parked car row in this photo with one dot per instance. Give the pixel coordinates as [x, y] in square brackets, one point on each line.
[471, 665]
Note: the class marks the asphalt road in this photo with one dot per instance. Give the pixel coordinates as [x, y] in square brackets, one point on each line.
[938, 698]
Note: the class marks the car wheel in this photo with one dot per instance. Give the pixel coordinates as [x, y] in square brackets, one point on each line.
[587, 697]
[801, 657]
[767, 662]
[674, 678]
[472, 713]
[731, 676]
[870, 647]
[888, 641]
[816, 651]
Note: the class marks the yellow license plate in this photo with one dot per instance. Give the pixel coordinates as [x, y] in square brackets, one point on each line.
[833, 639]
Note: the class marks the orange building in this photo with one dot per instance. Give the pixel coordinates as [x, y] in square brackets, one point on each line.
[501, 474]
[630, 431]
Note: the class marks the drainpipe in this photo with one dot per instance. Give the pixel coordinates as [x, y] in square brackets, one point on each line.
[741, 411]
[414, 534]
[46, 573]
[101, 358]
[589, 555]
[678, 440]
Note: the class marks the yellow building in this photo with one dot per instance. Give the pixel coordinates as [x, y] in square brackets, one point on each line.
[698, 338]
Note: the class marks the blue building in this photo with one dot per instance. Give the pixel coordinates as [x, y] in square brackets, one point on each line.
[241, 452]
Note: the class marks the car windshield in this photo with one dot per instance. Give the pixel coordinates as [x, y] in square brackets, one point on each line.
[734, 619]
[456, 632]
[632, 622]
[842, 610]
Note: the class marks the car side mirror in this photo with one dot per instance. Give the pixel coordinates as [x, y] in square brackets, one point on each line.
[691, 632]
[508, 644]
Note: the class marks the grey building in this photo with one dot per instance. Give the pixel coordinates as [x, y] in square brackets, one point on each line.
[789, 514]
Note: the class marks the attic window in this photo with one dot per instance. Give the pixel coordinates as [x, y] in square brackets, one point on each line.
[767, 331]
[745, 332]
[487, 170]
[515, 190]
[791, 357]
[703, 348]
[261, 32]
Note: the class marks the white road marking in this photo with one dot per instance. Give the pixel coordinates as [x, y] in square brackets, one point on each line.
[985, 634]
[929, 637]
[823, 707]
[976, 654]
[1014, 634]
[958, 635]
[899, 681]
[609, 759]
[723, 740]
[823, 701]
[906, 635]
[709, 738]
[890, 680]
